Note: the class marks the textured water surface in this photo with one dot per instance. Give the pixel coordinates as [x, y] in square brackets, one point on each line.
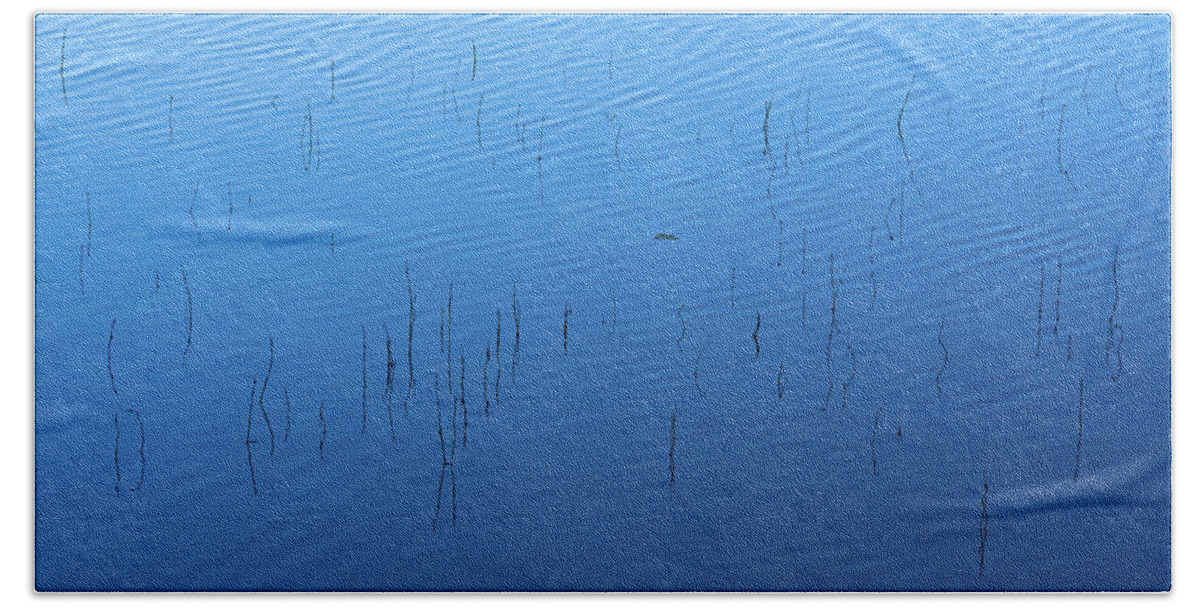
[804, 302]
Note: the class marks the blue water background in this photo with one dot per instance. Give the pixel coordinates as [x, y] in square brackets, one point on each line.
[838, 457]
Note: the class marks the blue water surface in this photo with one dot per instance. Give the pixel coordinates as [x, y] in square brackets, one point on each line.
[804, 302]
